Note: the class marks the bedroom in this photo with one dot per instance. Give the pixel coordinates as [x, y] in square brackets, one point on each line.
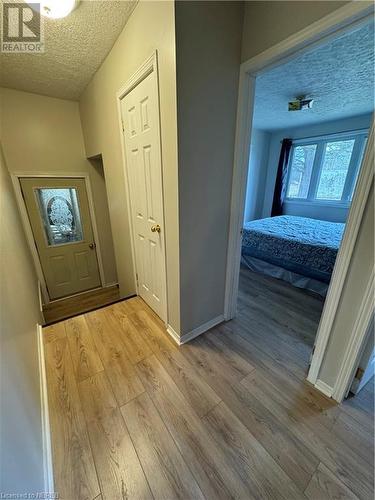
[303, 167]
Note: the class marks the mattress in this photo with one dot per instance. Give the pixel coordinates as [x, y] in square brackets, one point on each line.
[305, 246]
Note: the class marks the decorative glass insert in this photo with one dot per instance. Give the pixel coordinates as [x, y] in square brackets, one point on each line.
[334, 170]
[60, 215]
[301, 170]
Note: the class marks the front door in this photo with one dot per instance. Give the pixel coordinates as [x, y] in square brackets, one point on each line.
[140, 116]
[60, 220]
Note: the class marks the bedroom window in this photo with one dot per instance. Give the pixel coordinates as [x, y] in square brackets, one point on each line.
[325, 169]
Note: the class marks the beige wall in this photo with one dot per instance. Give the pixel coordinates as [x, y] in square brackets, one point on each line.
[43, 134]
[151, 27]
[208, 48]
[360, 269]
[267, 23]
[21, 460]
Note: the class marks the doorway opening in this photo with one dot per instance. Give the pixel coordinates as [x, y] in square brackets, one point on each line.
[60, 222]
[304, 182]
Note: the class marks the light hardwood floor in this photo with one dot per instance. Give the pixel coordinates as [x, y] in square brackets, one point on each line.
[228, 415]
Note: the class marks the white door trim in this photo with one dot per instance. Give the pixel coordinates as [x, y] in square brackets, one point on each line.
[148, 67]
[342, 19]
[344, 256]
[15, 176]
[354, 348]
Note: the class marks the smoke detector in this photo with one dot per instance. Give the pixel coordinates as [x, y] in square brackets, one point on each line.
[301, 103]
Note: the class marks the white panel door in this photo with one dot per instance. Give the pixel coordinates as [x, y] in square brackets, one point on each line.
[140, 114]
[60, 219]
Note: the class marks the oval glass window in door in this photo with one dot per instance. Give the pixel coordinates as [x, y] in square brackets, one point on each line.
[59, 210]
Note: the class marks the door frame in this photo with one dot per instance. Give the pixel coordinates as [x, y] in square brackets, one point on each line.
[350, 15]
[356, 343]
[15, 176]
[150, 66]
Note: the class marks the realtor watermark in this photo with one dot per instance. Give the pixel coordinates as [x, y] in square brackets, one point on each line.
[21, 28]
[40, 495]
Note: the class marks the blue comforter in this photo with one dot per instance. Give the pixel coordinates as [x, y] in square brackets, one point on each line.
[301, 245]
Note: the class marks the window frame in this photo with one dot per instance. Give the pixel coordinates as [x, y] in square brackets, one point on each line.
[360, 137]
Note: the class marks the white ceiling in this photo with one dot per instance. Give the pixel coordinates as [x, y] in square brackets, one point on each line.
[75, 47]
[339, 76]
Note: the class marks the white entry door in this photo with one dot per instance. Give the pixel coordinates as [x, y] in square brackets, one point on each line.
[59, 215]
[140, 115]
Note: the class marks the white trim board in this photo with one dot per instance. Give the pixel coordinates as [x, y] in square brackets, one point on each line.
[175, 336]
[354, 349]
[324, 388]
[15, 176]
[46, 431]
[196, 332]
[343, 259]
[343, 19]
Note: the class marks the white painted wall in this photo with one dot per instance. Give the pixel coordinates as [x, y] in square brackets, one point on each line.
[150, 27]
[367, 361]
[208, 49]
[44, 134]
[21, 459]
[269, 22]
[323, 212]
[257, 174]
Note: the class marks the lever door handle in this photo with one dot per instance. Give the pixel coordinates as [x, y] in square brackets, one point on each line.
[156, 228]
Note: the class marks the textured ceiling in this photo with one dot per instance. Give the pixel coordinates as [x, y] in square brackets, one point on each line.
[75, 47]
[339, 76]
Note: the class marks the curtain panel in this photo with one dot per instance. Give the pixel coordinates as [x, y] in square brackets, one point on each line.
[281, 178]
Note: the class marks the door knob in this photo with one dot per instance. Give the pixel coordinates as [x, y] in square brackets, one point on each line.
[156, 229]
[92, 246]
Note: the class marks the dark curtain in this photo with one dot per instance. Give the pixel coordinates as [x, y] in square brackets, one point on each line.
[282, 174]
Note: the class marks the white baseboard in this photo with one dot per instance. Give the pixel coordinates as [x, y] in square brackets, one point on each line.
[46, 431]
[175, 336]
[326, 389]
[186, 337]
[201, 329]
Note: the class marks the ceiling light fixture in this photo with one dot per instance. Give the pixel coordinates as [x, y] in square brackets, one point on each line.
[56, 9]
[301, 103]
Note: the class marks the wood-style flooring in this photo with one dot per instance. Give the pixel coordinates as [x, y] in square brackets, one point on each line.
[80, 303]
[227, 415]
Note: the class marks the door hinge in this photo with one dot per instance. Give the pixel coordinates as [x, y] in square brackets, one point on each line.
[123, 126]
[136, 278]
[359, 373]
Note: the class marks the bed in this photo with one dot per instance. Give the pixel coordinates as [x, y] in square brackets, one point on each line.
[297, 249]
